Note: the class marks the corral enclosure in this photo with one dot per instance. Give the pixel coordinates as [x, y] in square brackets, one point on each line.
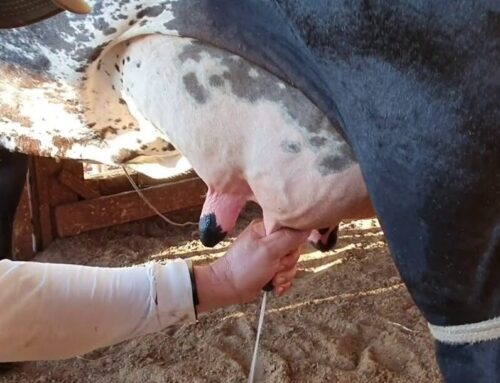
[347, 319]
[63, 198]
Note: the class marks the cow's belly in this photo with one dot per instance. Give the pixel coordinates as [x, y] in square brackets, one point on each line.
[248, 134]
[309, 201]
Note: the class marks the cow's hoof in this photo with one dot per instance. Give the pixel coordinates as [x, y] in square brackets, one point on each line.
[210, 233]
[330, 242]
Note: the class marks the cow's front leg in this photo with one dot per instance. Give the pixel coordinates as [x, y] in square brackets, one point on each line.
[13, 169]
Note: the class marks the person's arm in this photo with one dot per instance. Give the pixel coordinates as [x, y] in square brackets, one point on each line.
[253, 260]
[52, 311]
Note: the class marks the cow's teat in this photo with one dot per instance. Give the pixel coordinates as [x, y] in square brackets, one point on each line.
[324, 239]
[211, 233]
[219, 214]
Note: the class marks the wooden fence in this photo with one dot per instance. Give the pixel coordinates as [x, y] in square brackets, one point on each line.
[59, 202]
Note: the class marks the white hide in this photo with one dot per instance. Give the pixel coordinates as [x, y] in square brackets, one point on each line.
[67, 113]
[131, 102]
[235, 145]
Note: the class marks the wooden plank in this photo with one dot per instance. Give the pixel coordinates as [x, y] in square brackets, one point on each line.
[143, 179]
[117, 182]
[77, 184]
[60, 193]
[46, 193]
[113, 185]
[49, 190]
[44, 170]
[74, 167]
[34, 203]
[23, 241]
[46, 233]
[79, 217]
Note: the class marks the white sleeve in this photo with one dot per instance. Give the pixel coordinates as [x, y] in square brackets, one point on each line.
[52, 311]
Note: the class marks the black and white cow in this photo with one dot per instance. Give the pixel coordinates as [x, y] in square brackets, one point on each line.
[286, 102]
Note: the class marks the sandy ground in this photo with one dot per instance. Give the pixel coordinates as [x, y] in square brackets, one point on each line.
[348, 318]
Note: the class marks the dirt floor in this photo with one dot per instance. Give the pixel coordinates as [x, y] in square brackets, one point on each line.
[348, 318]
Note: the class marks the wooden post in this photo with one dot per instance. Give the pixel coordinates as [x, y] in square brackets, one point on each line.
[48, 192]
[24, 237]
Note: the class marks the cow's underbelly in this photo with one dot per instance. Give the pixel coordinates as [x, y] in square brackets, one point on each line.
[249, 135]
[311, 202]
[235, 122]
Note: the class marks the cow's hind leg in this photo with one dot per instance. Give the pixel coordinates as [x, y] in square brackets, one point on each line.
[467, 363]
[435, 186]
[13, 169]
[442, 222]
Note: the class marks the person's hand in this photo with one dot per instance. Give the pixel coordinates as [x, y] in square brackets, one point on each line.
[253, 260]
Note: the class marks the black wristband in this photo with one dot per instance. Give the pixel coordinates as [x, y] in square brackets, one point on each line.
[196, 300]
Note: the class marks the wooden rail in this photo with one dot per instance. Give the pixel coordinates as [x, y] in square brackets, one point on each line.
[58, 202]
